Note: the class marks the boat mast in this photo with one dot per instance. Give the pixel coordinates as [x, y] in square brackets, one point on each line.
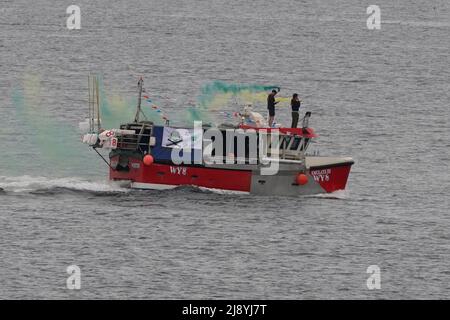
[138, 109]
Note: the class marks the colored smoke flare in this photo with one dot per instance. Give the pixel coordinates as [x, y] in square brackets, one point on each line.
[221, 96]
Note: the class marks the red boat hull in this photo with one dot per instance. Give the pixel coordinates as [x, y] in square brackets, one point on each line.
[324, 179]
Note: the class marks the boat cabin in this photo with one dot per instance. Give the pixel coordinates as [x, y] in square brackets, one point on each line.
[240, 145]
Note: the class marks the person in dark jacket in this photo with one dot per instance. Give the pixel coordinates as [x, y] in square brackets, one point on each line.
[295, 105]
[271, 105]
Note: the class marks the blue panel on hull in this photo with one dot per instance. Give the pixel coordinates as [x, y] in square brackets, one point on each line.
[161, 153]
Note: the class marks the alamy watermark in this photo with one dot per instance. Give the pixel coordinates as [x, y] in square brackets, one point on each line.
[73, 22]
[73, 282]
[374, 280]
[374, 20]
[240, 147]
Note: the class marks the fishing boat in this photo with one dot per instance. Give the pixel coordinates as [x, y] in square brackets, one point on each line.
[245, 157]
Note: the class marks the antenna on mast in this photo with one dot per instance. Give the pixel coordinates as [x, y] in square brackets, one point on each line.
[138, 109]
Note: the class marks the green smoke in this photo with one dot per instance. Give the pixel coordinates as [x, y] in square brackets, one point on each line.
[216, 96]
[116, 110]
[209, 91]
[46, 144]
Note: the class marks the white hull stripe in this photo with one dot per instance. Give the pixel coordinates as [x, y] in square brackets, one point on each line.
[155, 186]
[160, 186]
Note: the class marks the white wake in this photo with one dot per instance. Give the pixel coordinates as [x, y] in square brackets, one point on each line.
[32, 183]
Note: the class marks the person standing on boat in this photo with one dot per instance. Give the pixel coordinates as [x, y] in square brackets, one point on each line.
[295, 105]
[271, 105]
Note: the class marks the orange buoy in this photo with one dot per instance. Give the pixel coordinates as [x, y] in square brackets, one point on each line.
[302, 179]
[148, 159]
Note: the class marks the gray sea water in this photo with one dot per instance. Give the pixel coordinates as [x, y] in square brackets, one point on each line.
[380, 96]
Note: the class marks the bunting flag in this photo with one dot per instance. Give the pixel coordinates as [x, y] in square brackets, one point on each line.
[226, 114]
[155, 107]
[229, 115]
